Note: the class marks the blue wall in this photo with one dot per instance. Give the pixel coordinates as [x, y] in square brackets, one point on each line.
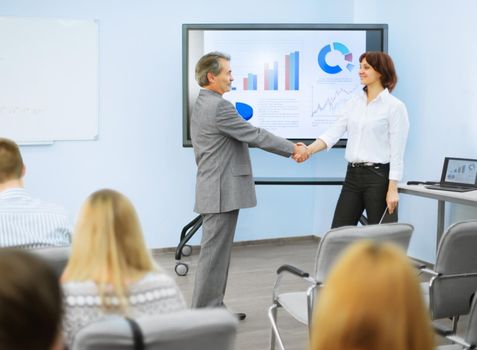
[139, 151]
[434, 48]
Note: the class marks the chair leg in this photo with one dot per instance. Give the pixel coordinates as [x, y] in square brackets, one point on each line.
[455, 320]
[275, 335]
[310, 303]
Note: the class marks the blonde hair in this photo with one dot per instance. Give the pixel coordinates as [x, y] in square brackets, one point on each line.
[108, 247]
[372, 301]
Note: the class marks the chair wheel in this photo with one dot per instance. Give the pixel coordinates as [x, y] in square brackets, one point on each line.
[181, 269]
[186, 250]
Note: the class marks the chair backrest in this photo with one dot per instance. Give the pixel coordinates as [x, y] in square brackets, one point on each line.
[336, 240]
[211, 329]
[456, 263]
[56, 257]
[457, 252]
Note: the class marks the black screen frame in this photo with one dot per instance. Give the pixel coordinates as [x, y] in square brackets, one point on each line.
[455, 183]
[376, 40]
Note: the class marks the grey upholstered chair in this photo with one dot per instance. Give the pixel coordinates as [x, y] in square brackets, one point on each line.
[56, 257]
[469, 340]
[454, 277]
[300, 304]
[211, 329]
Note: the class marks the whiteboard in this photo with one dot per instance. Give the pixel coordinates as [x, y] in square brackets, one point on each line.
[48, 79]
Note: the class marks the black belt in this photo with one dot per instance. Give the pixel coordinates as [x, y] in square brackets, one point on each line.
[366, 164]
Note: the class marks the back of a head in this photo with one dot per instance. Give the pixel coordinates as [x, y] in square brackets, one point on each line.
[30, 302]
[11, 162]
[108, 245]
[371, 301]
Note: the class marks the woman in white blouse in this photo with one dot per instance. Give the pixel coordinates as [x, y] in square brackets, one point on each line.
[377, 126]
[110, 270]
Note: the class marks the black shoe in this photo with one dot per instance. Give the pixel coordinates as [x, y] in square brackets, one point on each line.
[240, 315]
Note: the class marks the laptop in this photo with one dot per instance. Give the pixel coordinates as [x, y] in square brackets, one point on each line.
[458, 175]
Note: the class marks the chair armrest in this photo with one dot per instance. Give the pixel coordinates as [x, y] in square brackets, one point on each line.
[442, 330]
[293, 270]
[458, 340]
[419, 265]
[429, 271]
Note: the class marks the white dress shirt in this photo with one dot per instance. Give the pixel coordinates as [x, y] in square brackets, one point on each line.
[27, 222]
[377, 131]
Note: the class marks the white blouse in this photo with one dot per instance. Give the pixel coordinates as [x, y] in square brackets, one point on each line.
[377, 131]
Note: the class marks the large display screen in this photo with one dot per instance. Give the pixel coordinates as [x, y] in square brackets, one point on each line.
[291, 79]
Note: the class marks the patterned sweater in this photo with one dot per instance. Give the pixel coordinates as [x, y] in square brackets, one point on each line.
[154, 294]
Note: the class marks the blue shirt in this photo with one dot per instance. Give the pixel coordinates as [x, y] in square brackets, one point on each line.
[27, 222]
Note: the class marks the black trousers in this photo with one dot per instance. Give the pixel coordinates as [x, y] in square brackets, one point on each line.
[364, 188]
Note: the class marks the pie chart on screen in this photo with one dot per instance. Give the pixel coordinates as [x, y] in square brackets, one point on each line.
[335, 48]
[245, 110]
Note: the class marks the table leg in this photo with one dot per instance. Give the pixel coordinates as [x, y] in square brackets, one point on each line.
[441, 208]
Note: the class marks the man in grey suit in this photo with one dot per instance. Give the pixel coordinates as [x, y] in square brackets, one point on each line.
[220, 138]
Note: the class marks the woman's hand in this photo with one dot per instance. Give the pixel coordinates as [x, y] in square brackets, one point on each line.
[392, 197]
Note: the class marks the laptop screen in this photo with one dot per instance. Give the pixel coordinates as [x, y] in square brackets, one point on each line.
[459, 171]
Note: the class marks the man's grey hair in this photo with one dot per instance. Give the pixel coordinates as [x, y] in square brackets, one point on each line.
[209, 63]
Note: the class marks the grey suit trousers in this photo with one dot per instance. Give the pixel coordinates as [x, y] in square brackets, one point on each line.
[218, 232]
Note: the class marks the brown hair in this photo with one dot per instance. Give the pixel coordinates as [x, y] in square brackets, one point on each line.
[372, 301]
[11, 162]
[30, 302]
[383, 64]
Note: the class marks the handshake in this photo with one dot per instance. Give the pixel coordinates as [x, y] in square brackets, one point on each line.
[300, 152]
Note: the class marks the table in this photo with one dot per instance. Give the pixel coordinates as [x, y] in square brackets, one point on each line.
[466, 198]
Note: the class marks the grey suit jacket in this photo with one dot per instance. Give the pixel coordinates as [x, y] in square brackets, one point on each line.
[220, 138]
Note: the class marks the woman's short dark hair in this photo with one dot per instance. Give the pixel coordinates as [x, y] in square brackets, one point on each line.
[383, 64]
[30, 302]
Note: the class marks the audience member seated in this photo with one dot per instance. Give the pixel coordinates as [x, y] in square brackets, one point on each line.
[24, 221]
[110, 271]
[30, 303]
[372, 301]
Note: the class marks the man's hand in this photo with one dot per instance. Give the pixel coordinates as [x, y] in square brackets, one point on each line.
[300, 152]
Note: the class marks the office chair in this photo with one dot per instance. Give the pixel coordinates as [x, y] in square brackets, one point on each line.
[211, 329]
[454, 277]
[469, 340]
[300, 304]
[56, 257]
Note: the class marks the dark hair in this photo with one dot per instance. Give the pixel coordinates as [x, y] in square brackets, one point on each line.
[209, 63]
[383, 64]
[11, 162]
[30, 302]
